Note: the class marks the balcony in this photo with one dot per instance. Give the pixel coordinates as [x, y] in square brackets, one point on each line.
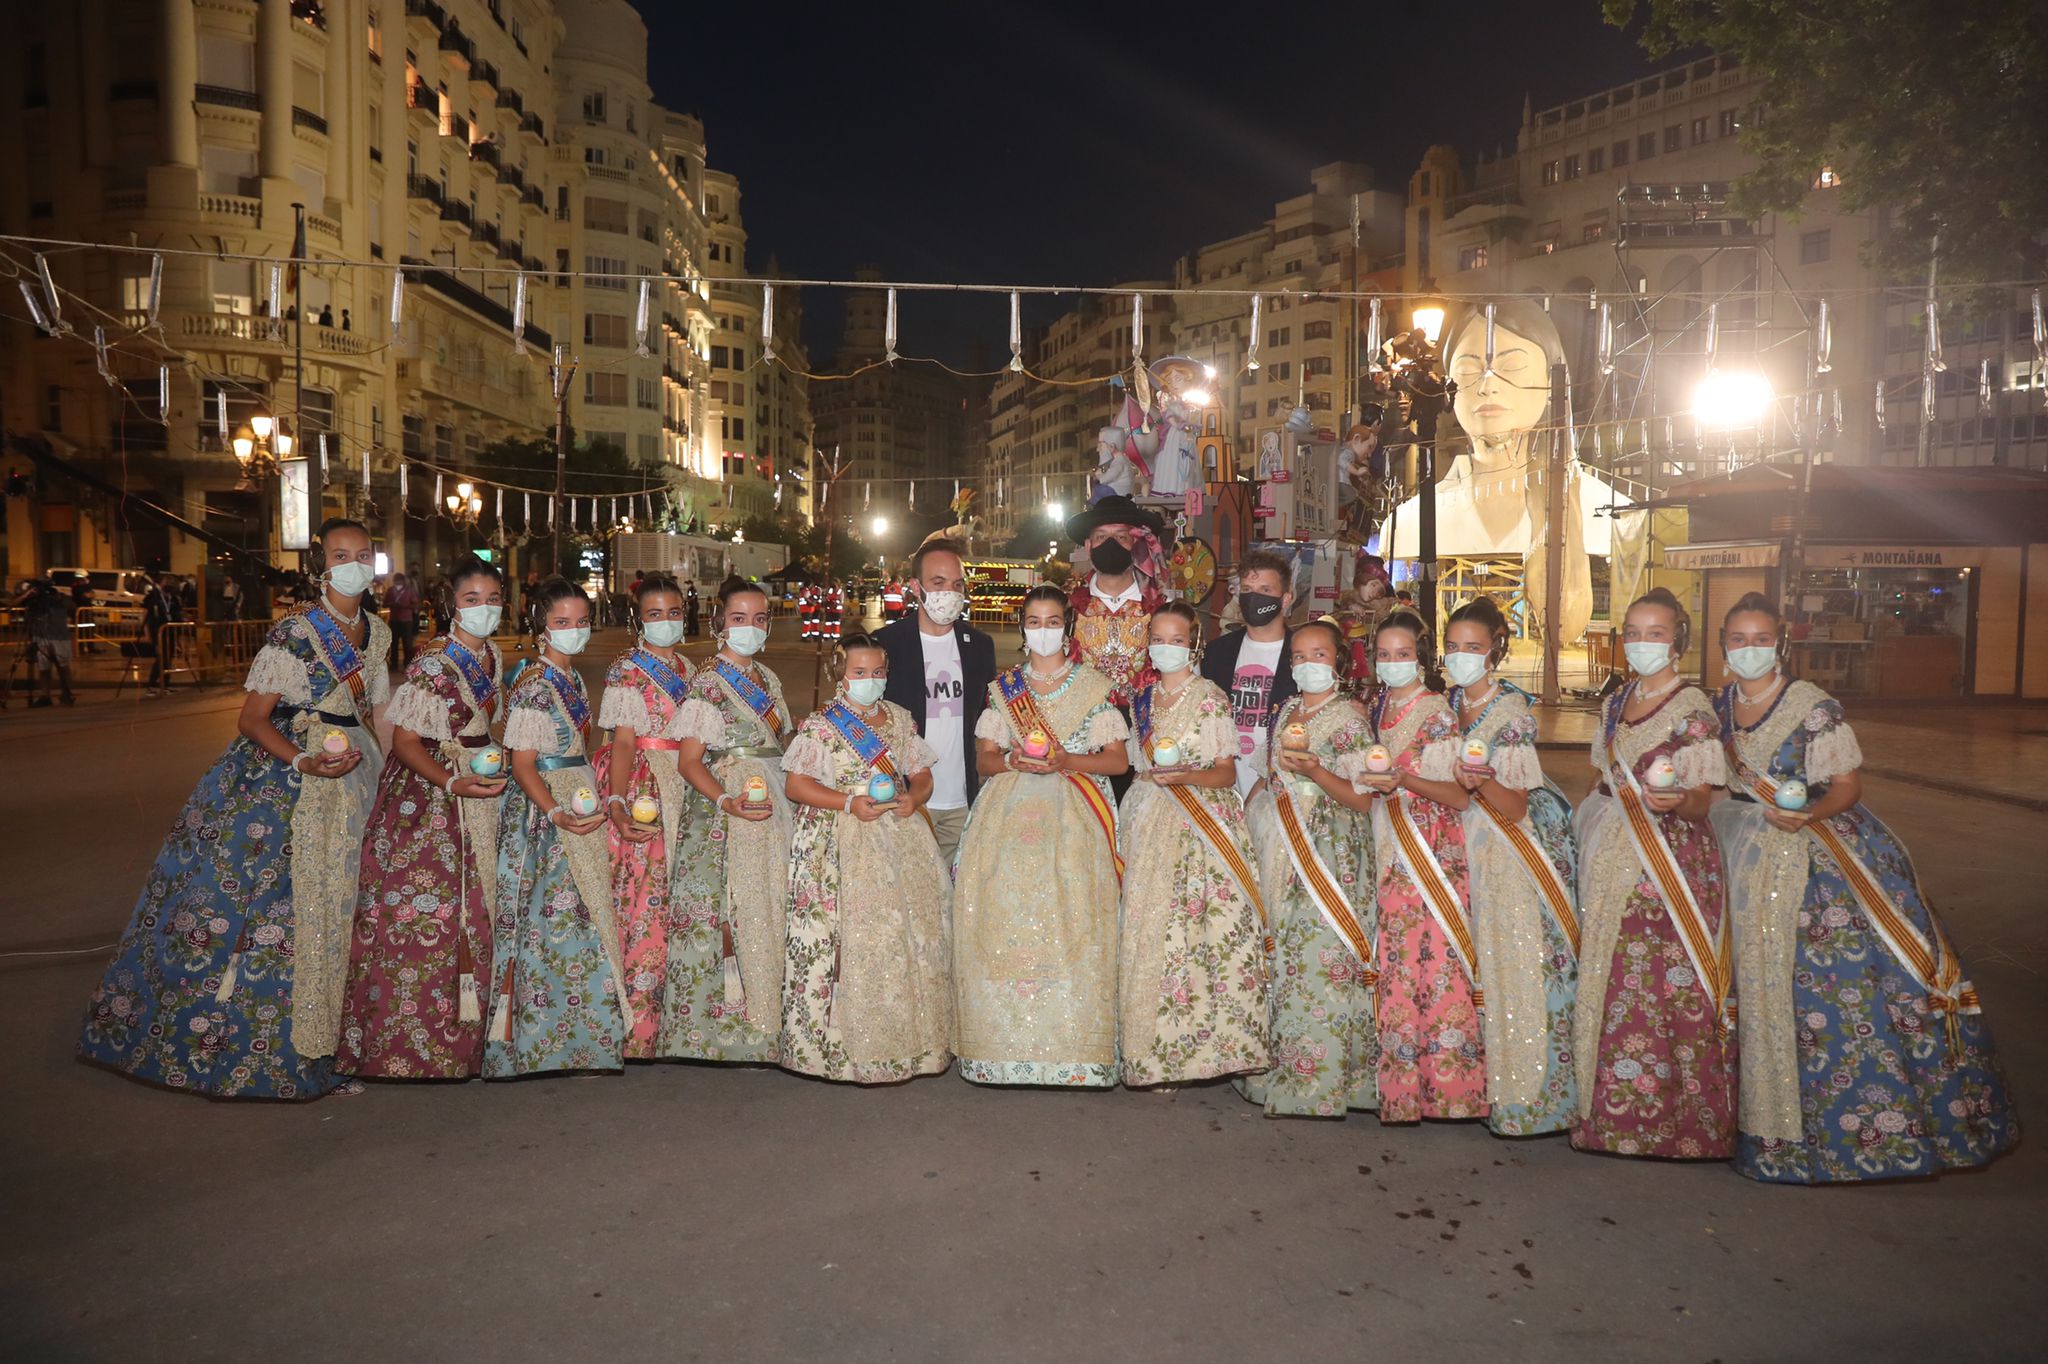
[423, 100]
[226, 98]
[420, 187]
[511, 251]
[455, 211]
[249, 207]
[484, 232]
[531, 195]
[481, 304]
[508, 98]
[306, 118]
[455, 125]
[531, 125]
[456, 45]
[512, 177]
[483, 73]
[431, 14]
[485, 154]
[535, 266]
[322, 226]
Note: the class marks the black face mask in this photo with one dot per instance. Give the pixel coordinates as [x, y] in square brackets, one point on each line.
[1112, 557]
[1257, 608]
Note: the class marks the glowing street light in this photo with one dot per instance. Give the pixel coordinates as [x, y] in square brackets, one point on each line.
[881, 525]
[1728, 400]
[1196, 397]
[1428, 315]
[1054, 511]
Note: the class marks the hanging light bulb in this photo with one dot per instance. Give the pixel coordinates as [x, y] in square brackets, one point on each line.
[2040, 336]
[912, 504]
[163, 394]
[1984, 387]
[1823, 340]
[643, 318]
[397, 301]
[1606, 338]
[402, 489]
[366, 473]
[51, 296]
[767, 324]
[867, 495]
[1835, 399]
[156, 286]
[519, 313]
[99, 349]
[1138, 330]
[1713, 334]
[1880, 404]
[1251, 350]
[1016, 332]
[276, 291]
[498, 506]
[889, 330]
[35, 310]
[1489, 337]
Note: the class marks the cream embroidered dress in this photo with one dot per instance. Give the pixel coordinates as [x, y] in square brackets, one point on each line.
[1528, 963]
[729, 899]
[1324, 1038]
[1192, 969]
[867, 990]
[1035, 904]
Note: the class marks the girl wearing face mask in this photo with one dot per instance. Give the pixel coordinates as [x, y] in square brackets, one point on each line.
[1432, 1060]
[421, 964]
[729, 872]
[1864, 1055]
[867, 990]
[558, 988]
[1523, 865]
[642, 692]
[1192, 976]
[229, 978]
[1652, 1028]
[1035, 897]
[1314, 836]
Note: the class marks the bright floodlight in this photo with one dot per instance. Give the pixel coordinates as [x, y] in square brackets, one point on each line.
[1209, 372]
[1055, 512]
[1727, 400]
[881, 525]
[1429, 319]
[1196, 397]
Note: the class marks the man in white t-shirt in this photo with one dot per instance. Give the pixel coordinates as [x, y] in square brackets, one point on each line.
[940, 669]
[1251, 663]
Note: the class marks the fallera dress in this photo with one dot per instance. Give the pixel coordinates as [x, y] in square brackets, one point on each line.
[422, 920]
[1325, 920]
[1655, 1057]
[1525, 924]
[642, 691]
[1432, 1051]
[229, 977]
[1192, 997]
[729, 896]
[1865, 1054]
[1035, 899]
[559, 1002]
[867, 990]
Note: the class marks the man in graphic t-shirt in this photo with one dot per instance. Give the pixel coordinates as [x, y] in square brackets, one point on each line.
[1251, 663]
[940, 668]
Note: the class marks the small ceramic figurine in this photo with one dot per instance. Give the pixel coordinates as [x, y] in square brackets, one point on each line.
[335, 742]
[1294, 738]
[1791, 795]
[583, 803]
[1037, 744]
[1377, 759]
[1166, 753]
[1475, 752]
[646, 809]
[488, 762]
[881, 788]
[1663, 773]
[756, 793]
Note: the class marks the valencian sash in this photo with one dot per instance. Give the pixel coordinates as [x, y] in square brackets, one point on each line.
[1707, 951]
[1540, 868]
[869, 746]
[1025, 716]
[476, 673]
[1934, 966]
[751, 692]
[672, 683]
[341, 655]
[1322, 887]
[1200, 817]
[570, 694]
[1437, 891]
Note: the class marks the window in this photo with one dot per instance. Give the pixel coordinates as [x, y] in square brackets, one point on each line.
[604, 390]
[1471, 258]
[1592, 232]
[1550, 172]
[711, 204]
[646, 393]
[1596, 160]
[377, 425]
[1314, 365]
[1315, 331]
[1674, 138]
[1283, 369]
[649, 445]
[595, 156]
[721, 358]
[593, 107]
[1646, 146]
[1574, 166]
[234, 285]
[604, 215]
[604, 329]
[739, 428]
[1827, 179]
[1815, 247]
[1619, 151]
[1699, 130]
[605, 272]
[413, 439]
[1729, 122]
[1248, 412]
[1317, 402]
[1280, 336]
[444, 443]
[228, 170]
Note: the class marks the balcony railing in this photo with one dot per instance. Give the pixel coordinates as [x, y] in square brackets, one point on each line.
[226, 98]
[482, 304]
[420, 187]
[455, 211]
[455, 125]
[484, 232]
[532, 195]
[456, 45]
[427, 10]
[508, 98]
[484, 72]
[512, 176]
[306, 118]
[530, 123]
[485, 153]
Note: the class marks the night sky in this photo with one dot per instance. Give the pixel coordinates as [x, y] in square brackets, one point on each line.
[1082, 144]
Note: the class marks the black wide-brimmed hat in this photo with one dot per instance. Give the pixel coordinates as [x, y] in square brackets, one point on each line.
[1114, 510]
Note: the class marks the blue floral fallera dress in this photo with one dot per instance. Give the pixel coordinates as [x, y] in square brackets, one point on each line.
[1881, 1091]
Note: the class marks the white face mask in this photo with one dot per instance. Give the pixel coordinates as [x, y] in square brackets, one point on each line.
[350, 579]
[662, 634]
[865, 691]
[746, 640]
[1397, 672]
[480, 621]
[1647, 657]
[1046, 639]
[1465, 670]
[1170, 658]
[1757, 660]
[944, 607]
[570, 642]
[1314, 677]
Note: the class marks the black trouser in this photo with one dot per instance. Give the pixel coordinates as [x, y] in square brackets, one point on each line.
[1122, 781]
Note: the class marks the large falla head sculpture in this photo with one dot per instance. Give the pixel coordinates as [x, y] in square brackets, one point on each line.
[1498, 404]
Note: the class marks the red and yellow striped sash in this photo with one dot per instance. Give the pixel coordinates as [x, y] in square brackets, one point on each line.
[1541, 870]
[1437, 891]
[1707, 950]
[1322, 888]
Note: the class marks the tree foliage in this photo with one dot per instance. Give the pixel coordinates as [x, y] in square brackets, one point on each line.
[1931, 111]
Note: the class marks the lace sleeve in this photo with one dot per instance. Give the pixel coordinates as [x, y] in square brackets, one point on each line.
[1514, 759]
[808, 756]
[280, 672]
[994, 727]
[623, 704]
[530, 729]
[1831, 747]
[380, 681]
[1216, 738]
[417, 707]
[1106, 727]
[1700, 763]
[698, 719]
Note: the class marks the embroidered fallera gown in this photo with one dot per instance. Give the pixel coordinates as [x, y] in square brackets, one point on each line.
[1035, 902]
[557, 1000]
[1850, 1070]
[729, 894]
[867, 991]
[642, 691]
[1325, 1046]
[1432, 1052]
[429, 862]
[1656, 1065]
[1192, 966]
[229, 978]
[1528, 958]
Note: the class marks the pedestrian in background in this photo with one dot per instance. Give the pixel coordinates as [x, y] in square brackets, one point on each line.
[401, 602]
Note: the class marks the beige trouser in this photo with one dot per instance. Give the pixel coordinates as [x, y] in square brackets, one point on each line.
[947, 826]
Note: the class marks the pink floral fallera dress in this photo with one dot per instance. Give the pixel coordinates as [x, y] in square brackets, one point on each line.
[1432, 1058]
[1656, 1069]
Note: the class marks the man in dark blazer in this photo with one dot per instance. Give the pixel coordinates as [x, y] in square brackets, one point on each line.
[1250, 662]
[940, 668]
